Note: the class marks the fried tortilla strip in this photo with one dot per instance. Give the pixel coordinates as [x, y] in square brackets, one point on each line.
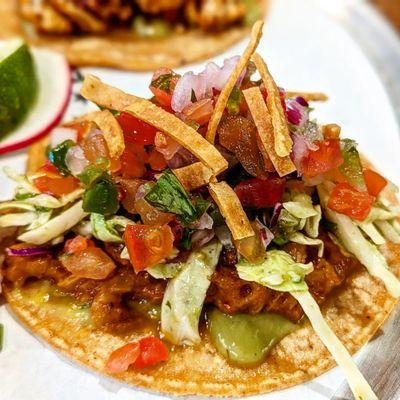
[37, 155]
[265, 131]
[193, 176]
[106, 96]
[112, 132]
[256, 33]
[232, 210]
[308, 96]
[283, 141]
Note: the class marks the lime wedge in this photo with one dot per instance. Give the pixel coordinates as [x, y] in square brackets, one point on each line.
[18, 84]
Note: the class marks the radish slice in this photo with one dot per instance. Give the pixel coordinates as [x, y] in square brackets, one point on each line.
[55, 86]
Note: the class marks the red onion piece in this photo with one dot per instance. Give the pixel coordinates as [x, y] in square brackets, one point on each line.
[275, 214]
[205, 222]
[202, 237]
[296, 113]
[28, 251]
[265, 234]
[202, 84]
[301, 147]
[75, 160]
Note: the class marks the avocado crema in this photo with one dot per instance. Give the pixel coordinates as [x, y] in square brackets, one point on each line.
[244, 339]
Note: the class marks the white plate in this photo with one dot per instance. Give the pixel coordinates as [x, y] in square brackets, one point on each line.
[306, 50]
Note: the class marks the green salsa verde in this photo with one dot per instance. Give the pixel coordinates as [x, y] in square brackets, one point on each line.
[246, 340]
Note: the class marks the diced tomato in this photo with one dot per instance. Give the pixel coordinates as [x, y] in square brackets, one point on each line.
[120, 359]
[200, 111]
[148, 245]
[152, 352]
[50, 170]
[157, 160]
[375, 182]
[150, 215]
[327, 157]
[163, 98]
[135, 130]
[147, 352]
[260, 193]
[345, 199]
[133, 161]
[77, 244]
[56, 186]
[90, 263]
[95, 147]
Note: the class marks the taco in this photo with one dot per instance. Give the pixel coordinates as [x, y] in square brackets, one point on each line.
[191, 266]
[132, 34]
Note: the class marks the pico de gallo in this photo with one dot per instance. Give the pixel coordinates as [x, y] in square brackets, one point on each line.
[133, 205]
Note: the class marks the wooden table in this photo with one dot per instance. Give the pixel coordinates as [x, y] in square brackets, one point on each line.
[391, 9]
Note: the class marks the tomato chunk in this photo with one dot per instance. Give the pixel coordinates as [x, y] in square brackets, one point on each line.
[152, 352]
[349, 201]
[156, 160]
[75, 245]
[56, 186]
[135, 130]
[120, 359]
[147, 352]
[133, 161]
[260, 193]
[148, 245]
[327, 157]
[200, 111]
[375, 182]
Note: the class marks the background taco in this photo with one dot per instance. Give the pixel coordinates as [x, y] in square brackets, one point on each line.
[134, 34]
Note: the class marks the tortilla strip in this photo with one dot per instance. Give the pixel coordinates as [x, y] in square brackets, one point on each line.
[226, 91]
[308, 96]
[112, 132]
[109, 97]
[37, 155]
[232, 210]
[193, 176]
[265, 131]
[283, 141]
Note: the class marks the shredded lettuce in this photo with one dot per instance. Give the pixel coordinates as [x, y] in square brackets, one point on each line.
[312, 223]
[17, 219]
[185, 294]
[357, 382]
[301, 206]
[388, 231]
[108, 230]
[21, 179]
[370, 230]
[165, 271]
[55, 226]
[300, 238]
[354, 241]
[41, 219]
[278, 271]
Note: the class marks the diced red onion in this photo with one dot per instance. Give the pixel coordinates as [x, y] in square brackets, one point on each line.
[28, 251]
[301, 147]
[75, 160]
[296, 113]
[205, 222]
[275, 214]
[265, 234]
[166, 146]
[181, 158]
[202, 84]
[302, 101]
[202, 237]
[60, 134]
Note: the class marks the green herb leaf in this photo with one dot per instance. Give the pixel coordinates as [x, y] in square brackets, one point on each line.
[186, 242]
[102, 198]
[163, 82]
[24, 196]
[93, 174]
[57, 156]
[168, 195]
